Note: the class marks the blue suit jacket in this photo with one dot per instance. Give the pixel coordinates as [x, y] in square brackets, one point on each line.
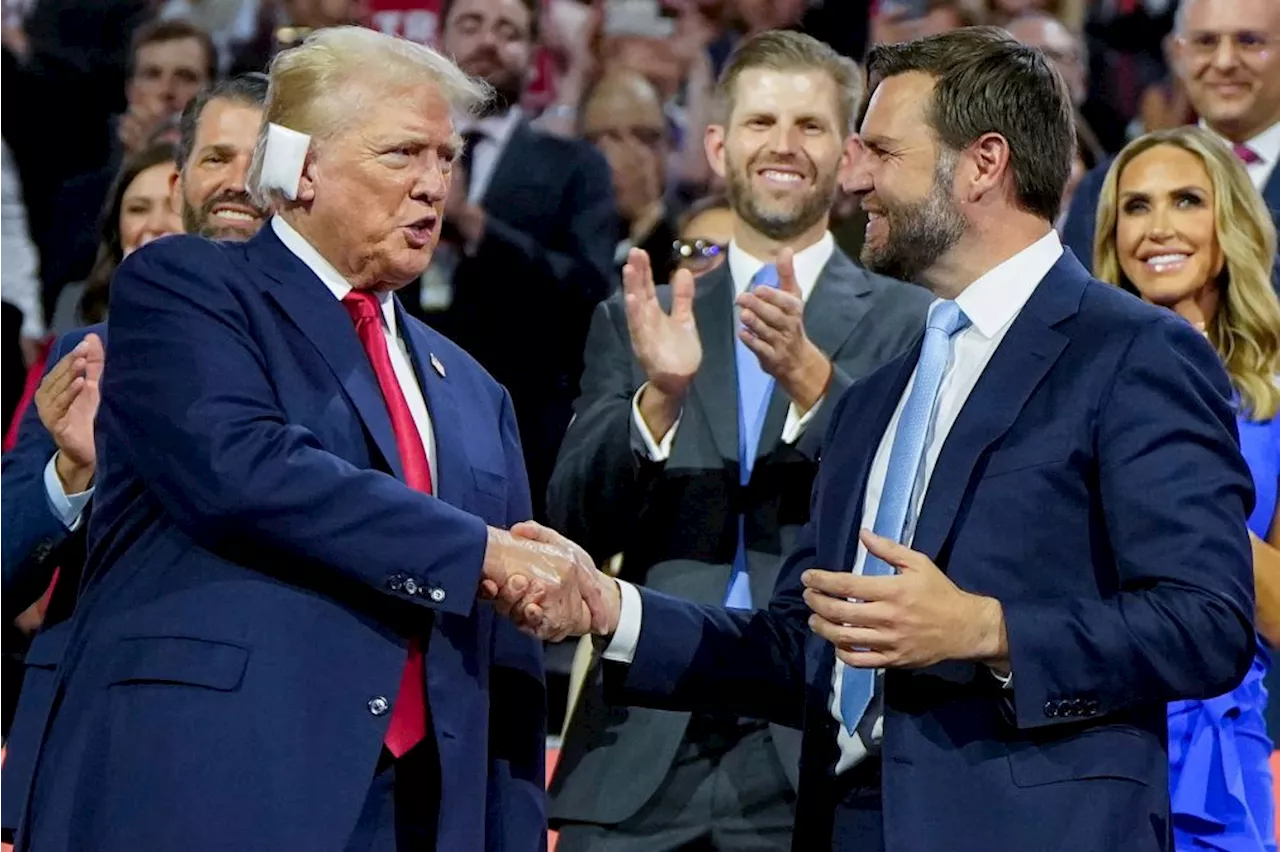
[1082, 216]
[1092, 484]
[247, 593]
[31, 547]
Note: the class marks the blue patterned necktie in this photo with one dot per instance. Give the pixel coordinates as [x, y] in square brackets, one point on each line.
[904, 475]
[755, 387]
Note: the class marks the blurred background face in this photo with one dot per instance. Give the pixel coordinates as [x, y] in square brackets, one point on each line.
[168, 74]
[704, 239]
[146, 209]
[758, 15]
[1166, 236]
[380, 185]
[656, 60]
[1227, 55]
[214, 195]
[781, 151]
[1063, 49]
[906, 182]
[493, 40]
[624, 119]
[317, 14]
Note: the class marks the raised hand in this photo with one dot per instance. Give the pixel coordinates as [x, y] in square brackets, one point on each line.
[547, 584]
[666, 345]
[67, 402]
[773, 329]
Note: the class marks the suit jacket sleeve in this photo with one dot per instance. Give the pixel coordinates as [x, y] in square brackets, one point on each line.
[190, 404]
[516, 808]
[1175, 494]
[32, 531]
[599, 482]
[703, 658]
[581, 275]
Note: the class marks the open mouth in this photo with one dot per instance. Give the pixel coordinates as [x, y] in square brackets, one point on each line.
[234, 214]
[781, 176]
[419, 232]
[1163, 264]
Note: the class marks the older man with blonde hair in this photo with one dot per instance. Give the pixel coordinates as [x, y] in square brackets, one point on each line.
[301, 492]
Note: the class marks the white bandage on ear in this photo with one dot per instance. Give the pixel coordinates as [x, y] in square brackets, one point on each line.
[283, 159]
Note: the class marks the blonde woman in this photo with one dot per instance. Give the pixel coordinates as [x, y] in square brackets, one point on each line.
[1181, 225]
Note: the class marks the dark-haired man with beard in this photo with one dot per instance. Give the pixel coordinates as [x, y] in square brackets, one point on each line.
[48, 476]
[530, 231]
[696, 442]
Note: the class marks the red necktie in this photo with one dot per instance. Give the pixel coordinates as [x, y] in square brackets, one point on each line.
[1246, 154]
[409, 718]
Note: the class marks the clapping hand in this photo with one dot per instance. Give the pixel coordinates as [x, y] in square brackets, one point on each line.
[67, 402]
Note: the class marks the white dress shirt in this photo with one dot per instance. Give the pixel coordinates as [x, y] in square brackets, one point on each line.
[70, 507]
[808, 265]
[497, 130]
[991, 303]
[1267, 146]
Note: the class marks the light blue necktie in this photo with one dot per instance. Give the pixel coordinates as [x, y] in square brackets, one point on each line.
[755, 387]
[903, 476]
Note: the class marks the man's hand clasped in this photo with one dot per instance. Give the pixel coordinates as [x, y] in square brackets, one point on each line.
[547, 584]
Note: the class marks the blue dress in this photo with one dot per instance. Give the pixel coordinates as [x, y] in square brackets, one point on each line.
[1219, 753]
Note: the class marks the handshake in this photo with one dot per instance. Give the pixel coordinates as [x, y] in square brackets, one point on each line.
[547, 585]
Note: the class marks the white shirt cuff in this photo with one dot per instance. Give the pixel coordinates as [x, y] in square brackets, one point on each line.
[622, 647]
[657, 451]
[796, 423]
[68, 508]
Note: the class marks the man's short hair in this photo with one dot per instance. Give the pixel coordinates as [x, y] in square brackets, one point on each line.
[987, 82]
[175, 29]
[248, 89]
[535, 15]
[786, 50]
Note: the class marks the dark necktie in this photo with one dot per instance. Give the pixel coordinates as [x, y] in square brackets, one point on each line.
[409, 718]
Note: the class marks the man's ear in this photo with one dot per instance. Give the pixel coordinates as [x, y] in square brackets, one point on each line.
[307, 180]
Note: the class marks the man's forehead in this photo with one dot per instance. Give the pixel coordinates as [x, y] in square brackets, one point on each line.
[1228, 15]
[171, 50]
[781, 92]
[227, 121]
[896, 103]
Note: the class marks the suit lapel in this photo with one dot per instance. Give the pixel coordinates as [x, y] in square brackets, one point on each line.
[506, 169]
[715, 385]
[1021, 361]
[834, 307]
[325, 322]
[454, 482]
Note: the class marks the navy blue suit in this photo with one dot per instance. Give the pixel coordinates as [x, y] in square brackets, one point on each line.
[1092, 484]
[1082, 216]
[247, 599]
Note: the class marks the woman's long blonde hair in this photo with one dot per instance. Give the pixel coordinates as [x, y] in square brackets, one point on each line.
[1246, 328]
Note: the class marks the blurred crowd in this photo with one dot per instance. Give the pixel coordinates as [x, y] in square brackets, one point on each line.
[128, 120]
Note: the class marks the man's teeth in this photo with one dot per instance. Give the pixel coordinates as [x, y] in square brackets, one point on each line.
[233, 214]
[790, 177]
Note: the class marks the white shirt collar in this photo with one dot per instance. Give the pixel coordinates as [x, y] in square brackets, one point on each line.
[1266, 144]
[808, 265]
[324, 270]
[992, 301]
[496, 128]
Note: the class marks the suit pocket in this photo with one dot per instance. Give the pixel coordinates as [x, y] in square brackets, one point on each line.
[491, 496]
[1024, 457]
[1111, 752]
[178, 660]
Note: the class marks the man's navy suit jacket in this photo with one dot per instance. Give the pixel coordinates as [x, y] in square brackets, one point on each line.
[1092, 483]
[257, 567]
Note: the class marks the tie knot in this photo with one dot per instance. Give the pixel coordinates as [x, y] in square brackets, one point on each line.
[948, 318]
[362, 305]
[766, 277]
[1246, 154]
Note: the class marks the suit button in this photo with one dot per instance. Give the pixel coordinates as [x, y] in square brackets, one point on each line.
[378, 705]
[395, 582]
[437, 595]
[410, 586]
[1051, 709]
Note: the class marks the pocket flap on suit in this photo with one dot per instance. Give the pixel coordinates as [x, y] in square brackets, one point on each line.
[1110, 752]
[177, 659]
[1022, 457]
